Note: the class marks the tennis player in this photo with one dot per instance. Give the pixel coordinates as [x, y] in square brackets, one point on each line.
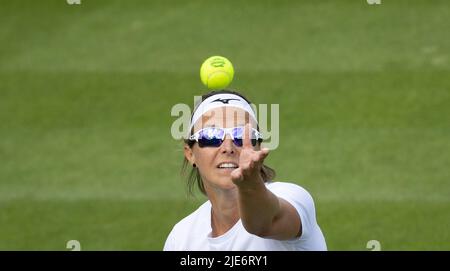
[246, 209]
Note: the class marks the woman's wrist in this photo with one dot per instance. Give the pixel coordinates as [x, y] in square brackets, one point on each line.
[251, 185]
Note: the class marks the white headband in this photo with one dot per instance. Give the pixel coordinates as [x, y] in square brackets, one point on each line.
[221, 100]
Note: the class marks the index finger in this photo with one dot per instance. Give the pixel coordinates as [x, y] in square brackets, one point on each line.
[246, 140]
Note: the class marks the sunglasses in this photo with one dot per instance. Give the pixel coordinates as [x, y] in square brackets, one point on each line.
[214, 136]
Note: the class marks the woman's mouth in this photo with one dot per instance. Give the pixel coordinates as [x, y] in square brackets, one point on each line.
[227, 165]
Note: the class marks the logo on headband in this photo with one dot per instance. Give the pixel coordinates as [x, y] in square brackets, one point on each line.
[224, 101]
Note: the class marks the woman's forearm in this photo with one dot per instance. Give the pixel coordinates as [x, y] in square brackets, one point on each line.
[258, 208]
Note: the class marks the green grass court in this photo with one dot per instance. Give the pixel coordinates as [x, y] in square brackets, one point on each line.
[86, 92]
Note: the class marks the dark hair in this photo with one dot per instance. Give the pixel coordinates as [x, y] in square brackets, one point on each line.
[193, 177]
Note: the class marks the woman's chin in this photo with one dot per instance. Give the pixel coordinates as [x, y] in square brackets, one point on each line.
[225, 182]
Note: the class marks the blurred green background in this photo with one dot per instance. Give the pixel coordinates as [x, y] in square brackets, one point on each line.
[86, 92]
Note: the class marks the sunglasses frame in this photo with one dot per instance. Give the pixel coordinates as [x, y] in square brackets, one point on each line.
[196, 136]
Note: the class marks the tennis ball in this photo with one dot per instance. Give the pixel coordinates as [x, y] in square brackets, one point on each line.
[216, 72]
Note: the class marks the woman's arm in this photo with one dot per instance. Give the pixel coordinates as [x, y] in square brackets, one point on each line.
[266, 215]
[262, 212]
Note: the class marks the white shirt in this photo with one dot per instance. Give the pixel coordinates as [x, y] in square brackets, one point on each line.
[194, 231]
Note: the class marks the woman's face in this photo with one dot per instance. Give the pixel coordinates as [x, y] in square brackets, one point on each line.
[209, 159]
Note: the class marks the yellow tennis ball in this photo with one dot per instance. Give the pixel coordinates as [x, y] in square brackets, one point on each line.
[216, 72]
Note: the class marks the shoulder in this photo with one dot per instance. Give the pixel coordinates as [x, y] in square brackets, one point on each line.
[290, 190]
[185, 226]
[284, 185]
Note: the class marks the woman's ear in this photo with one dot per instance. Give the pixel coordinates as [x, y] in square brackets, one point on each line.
[189, 154]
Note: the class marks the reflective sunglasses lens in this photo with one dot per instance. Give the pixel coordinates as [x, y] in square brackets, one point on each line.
[214, 142]
[238, 133]
[210, 137]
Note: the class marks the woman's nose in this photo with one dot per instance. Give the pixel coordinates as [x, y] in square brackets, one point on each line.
[227, 145]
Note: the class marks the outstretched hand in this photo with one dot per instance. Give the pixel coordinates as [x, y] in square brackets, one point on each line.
[250, 162]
